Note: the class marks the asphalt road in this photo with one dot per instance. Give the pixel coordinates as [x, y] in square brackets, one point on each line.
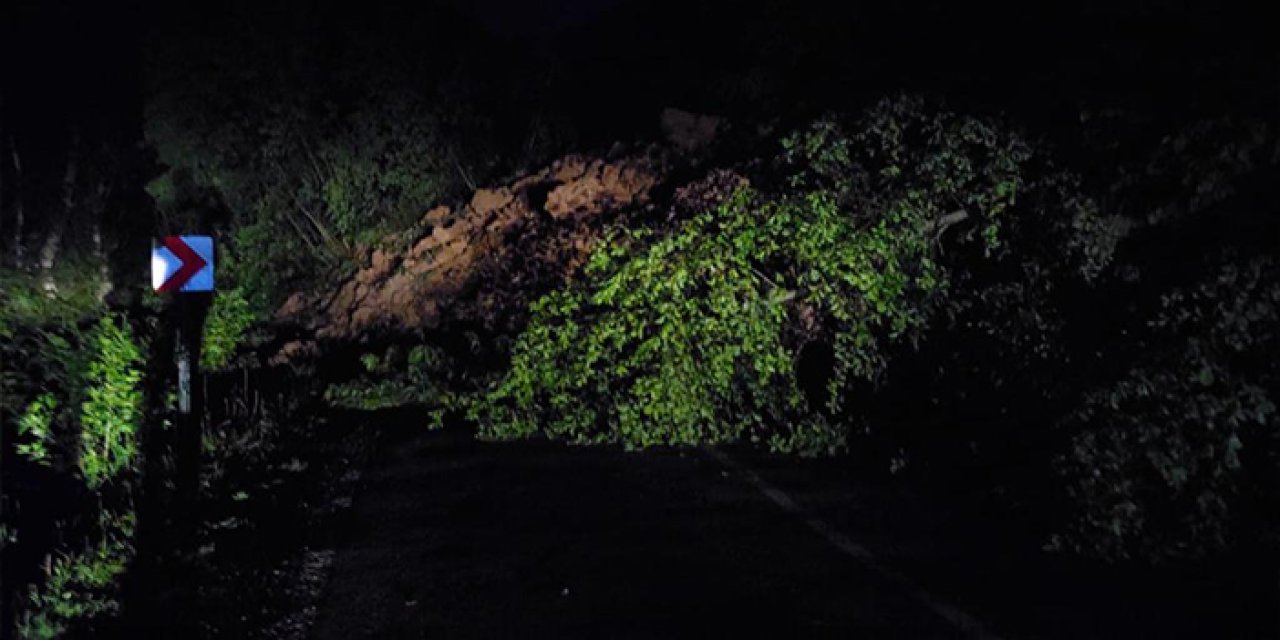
[451, 538]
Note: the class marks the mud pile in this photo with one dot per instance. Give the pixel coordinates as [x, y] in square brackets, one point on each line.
[482, 263]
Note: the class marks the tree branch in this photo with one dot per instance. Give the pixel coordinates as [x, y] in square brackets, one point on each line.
[471, 184]
[939, 226]
[788, 294]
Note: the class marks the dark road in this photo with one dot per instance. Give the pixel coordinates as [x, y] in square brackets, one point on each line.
[458, 539]
[451, 538]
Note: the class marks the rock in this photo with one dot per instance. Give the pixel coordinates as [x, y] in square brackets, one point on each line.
[436, 216]
[381, 264]
[294, 351]
[602, 185]
[295, 307]
[491, 199]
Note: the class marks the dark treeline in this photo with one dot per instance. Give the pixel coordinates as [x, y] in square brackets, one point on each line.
[527, 84]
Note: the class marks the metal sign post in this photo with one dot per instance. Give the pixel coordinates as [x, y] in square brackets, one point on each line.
[183, 266]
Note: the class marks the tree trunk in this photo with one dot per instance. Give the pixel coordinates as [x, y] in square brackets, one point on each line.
[100, 257]
[53, 239]
[19, 217]
[99, 251]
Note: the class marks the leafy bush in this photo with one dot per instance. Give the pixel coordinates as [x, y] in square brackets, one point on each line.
[84, 424]
[36, 428]
[693, 336]
[1188, 168]
[112, 410]
[81, 585]
[1180, 457]
[425, 376]
[23, 301]
[50, 384]
[100, 376]
[225, 328]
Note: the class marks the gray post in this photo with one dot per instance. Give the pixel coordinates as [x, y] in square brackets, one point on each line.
[184, 376]
[191, 309]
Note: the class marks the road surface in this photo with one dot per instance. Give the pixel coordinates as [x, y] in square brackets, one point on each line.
[451, 538]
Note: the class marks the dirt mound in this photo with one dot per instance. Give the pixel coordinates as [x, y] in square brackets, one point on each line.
[411, 289]
[484, 262]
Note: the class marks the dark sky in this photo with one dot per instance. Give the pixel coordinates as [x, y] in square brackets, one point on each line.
[535, 18]
[63, 57]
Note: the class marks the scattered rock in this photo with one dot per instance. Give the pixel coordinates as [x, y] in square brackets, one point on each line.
[436, 216]
[296, 306]
[294, 351]
[382, 263]
[601, 185]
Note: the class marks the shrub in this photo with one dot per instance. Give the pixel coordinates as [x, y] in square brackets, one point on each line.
[23, 300]
[47, 366]
[81, 585]
[426, 376]
[84, 424]
[1179, 458]
[100, 375]
[36, 428]
[225, 328]
[112, 410]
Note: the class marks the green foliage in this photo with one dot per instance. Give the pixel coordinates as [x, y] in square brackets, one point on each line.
[692, 337]
[371, 395]
[299, 174]
[44, 371]
[1188, 169]
[384, 168]
[23, 301]
[226, 328]
[83, 421]
[80, 585]
[99, 375]
[36, 427]
[677, 342]
[315, 187]
[1170, 460]
[425, 376]
[112, 410]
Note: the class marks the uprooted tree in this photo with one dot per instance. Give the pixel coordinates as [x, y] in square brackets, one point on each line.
[875, 231]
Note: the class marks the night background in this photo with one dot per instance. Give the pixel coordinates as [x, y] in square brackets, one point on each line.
[641, 320]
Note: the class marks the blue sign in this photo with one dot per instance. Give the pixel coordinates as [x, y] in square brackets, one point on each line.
[183, 263]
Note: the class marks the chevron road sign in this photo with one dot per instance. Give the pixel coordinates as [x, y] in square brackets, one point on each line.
[183, 264]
